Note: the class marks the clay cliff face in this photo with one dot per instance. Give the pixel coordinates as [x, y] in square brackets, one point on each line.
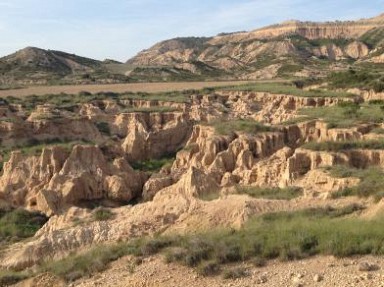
[309, 30]
[248, 55]
[58, 178]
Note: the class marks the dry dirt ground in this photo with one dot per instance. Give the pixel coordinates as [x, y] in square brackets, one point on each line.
[328, 270]
[116, 88]
[153, 272]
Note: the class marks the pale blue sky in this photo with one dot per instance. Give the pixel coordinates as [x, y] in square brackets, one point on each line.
[119, 29]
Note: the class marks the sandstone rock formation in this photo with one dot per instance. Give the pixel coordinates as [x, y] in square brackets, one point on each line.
[57, 178]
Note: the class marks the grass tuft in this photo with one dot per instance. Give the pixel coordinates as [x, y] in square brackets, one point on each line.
[287, 193]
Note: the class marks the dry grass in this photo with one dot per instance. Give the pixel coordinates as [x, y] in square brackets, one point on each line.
[116, 88]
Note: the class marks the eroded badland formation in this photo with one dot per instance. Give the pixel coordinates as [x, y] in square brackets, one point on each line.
[270, 184]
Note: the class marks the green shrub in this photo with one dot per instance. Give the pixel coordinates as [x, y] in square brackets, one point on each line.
[371, 182]
[104, 128]
[154, 245]
[8, 278]
[283, 235]
[289, 69]
[288, 89]
[379, 131]
[18, 224]
[209, 268]
[102, 214]
[235, 273]
[272, 193]
[259, 262]
[378, 86]
[209, 196]
[236, 126]
[344, 145]
[91, 262]
[175, 255]
[154, 165]
[346, 115]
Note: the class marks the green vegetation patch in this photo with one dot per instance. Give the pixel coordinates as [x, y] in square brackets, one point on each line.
[9, 278]
[289, 69]
[69, 101]
[347, 114]
[287, 193]
[104, 128]
[282, 235]
[288, 89]
[102, 214]
[363, 79]
[91, 262]
[18, 224]
[344, 145]
[155, 109]
[371, 182]
[154, 165]
[373, 37]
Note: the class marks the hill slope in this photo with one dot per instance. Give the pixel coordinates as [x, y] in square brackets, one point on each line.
[291, 48]
[37, 66]
[288, 50]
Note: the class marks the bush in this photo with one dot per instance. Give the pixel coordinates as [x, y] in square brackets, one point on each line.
[153, 246]
[209, 196]
[104, 128]
[346, 115]
[209, 268]
[259, 262]
[371, 182]
[235, 273]
[91, 262]
[229, 253]
[18, 224]
[8, 278]
[154, 165]
[283, 235]
[272, 193]
[344, 145]
[102, 214]
[288, 89]
[378, 86]
[236, 126]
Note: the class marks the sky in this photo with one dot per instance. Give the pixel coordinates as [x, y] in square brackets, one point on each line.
[118, 29]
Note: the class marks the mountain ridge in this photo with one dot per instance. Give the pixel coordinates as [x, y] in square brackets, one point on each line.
[289, 49]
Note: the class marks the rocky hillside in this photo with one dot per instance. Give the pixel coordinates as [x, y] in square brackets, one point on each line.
[291, 49]
[37, 66]
[287, 49]
[134, 176]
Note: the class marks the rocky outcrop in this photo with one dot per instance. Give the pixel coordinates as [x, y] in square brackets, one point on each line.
[319, 183]
[246, 55]
[153, 135]
[221, 154]
[309, 30]
[274, 108]
[58, 178]
[369, 95]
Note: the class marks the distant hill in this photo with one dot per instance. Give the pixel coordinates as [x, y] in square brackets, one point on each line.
[37, 66]
[292, 49]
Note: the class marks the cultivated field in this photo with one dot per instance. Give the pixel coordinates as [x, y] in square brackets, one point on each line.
[116, 88]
